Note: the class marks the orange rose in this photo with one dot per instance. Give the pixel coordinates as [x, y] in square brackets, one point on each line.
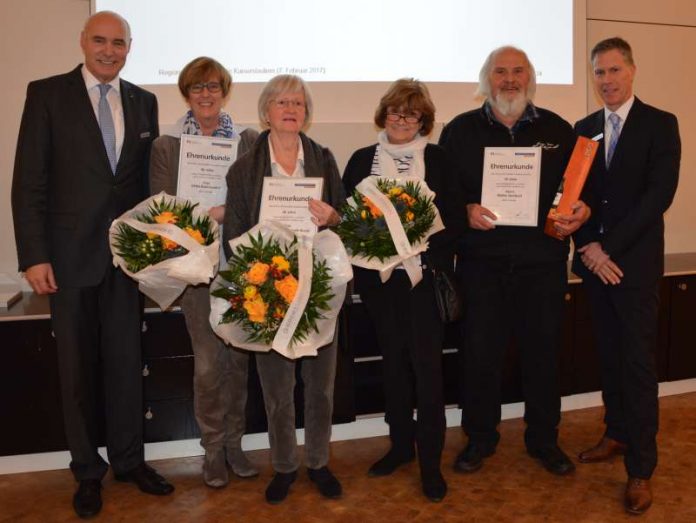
[168, 244]
[408, 200]
[374, 211]
[287, 287]
[256, 309]
[166, 217]
[409, 216]
[258, 274]
[195, 234]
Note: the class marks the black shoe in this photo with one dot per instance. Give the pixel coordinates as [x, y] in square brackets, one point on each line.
[434, 487]
[147, 480]
[391, 461]
[279, 486]
[471, 458]
[328, 485]
[87, 500]
[553, 459]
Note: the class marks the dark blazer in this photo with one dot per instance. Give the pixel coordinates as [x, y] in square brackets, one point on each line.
[629, 199]
[64, 195]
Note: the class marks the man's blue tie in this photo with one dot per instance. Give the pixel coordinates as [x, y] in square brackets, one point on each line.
[615, 121]
[106, 124]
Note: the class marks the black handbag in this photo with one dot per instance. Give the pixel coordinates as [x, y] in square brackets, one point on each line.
[449, 301]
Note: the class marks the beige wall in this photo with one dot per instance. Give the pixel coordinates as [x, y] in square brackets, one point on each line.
[663, 37]
[40, 37]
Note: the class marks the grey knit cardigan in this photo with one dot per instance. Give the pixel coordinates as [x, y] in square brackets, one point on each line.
[245, 183]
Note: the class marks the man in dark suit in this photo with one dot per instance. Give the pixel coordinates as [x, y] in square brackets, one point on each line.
[81, 161]
[620, 259]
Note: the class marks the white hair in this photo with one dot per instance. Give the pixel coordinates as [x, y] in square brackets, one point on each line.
[484, 86]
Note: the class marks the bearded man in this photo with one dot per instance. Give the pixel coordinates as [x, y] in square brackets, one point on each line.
[513, 277]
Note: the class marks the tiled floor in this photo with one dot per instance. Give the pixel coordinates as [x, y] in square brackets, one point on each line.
[510, 487]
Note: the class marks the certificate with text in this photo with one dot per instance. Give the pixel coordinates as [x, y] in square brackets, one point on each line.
[286, 201]
[203, 165]
[510, 186]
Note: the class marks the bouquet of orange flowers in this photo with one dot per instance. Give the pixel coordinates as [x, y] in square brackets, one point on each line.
[165, 243]
[264, 291]
[387, 222]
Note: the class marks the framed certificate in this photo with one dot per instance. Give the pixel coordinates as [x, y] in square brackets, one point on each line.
[510, 186]
[286, 201]
[203, 165]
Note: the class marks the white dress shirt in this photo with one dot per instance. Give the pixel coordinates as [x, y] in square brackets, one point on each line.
[622, 112]
[277, 169]
[113, 96]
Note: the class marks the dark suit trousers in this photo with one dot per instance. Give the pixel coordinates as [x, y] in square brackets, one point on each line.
[505, 301]
[625, 321]
[410, 336]
[97, 332]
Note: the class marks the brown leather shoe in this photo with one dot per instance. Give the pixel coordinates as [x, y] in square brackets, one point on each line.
[638, 496]
[602, 451]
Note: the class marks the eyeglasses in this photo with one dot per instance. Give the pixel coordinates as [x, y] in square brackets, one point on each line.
[287, 104]
[213, 87]
[408, 118]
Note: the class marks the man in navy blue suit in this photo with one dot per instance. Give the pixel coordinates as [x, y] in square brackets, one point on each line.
[81, 161]
[620, 257]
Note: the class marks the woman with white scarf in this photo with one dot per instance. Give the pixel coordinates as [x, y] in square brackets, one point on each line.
[220, 372]
[409, 330]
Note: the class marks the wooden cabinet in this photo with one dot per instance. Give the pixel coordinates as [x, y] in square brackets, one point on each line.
[681, 360]
[31, 407]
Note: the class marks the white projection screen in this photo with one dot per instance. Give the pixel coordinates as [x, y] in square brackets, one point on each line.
[351, 50]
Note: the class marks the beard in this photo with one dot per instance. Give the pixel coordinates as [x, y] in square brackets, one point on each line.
[510, 107]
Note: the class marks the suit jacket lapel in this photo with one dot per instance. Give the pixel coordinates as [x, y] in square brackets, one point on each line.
[630, 127]
[86, 117]
[129, 123]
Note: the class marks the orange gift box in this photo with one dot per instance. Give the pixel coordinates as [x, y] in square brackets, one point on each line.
[573, 181]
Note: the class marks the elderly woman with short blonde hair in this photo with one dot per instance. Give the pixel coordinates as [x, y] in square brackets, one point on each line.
[283, 150]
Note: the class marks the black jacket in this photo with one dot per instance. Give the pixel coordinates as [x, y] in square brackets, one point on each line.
[466, 136]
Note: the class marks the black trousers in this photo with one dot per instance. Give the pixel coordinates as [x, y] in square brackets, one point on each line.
[410, 335]
[625, 322]
[97, 332]
[505, 301]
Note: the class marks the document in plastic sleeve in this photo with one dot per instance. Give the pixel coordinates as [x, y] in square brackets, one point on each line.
[286, 201]
[203, 165]
[510, 187]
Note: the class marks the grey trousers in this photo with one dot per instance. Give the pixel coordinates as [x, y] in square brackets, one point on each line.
[277, 375]
[219, 377]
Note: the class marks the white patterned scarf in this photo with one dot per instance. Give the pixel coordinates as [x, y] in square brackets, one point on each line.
[224, 129]
[388, 152]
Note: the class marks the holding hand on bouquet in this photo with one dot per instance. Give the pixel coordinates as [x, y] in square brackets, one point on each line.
[284, 151]
[323, 215]
[220, 374]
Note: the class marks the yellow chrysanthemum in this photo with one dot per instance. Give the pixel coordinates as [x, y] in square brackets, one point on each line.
[281, 263]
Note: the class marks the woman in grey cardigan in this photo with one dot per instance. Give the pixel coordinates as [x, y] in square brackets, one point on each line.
[220, 372]
[282, 150]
